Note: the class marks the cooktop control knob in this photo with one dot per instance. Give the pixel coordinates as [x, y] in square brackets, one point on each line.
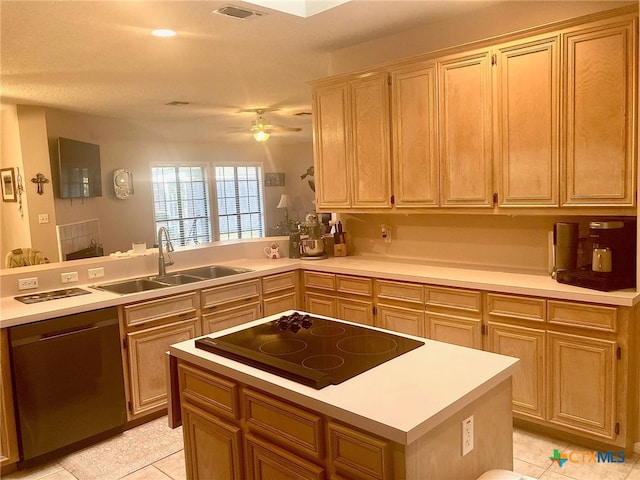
[294, 322]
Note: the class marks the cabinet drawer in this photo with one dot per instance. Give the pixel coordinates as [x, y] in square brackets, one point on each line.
[276, 283]
[210, 392]
[219, 320]
[279, 304]
[324, 281]
[359, 455]
[405, 292]
[354, 285]
[284, 424]
[167, 308]
[521, 308]
[594, 317]
[466, 300]
[230, 293]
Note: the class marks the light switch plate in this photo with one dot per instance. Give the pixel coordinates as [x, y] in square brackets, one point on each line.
[69, 277]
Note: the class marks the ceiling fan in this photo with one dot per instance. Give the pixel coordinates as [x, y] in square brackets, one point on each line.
[261, 128]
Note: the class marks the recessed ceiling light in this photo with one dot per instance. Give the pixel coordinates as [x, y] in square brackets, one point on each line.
[163, 32]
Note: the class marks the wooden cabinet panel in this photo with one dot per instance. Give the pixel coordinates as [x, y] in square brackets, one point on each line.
[359, 455]
[331, 147]
[268, 462]
[527, 344]
[213, 448]
[145, 355]
[357, 311]
[467, 301]
[512, 307]
[400, 291]
[297, 430]
[320, 304]
[582, 381]
[8, 436]
[209, 392]
[354, 285]
[403, 320]
[323, 281]
[527, 139]
[465, 133]
[161, 309]
[414, 140]
[599, 94]
[228, 294]
[279, 304]
[593, 317]
[370, 141]
[276, 283]
[463, 331]
[214, 321]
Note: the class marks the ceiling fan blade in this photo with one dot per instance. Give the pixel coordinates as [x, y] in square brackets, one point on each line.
[287, 129]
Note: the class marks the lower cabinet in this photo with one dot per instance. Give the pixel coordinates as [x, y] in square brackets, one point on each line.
[233, 431]
[343, 296]
[230, 305]
[454, 316]
[279, 293]
[400, 307]
[8, 436]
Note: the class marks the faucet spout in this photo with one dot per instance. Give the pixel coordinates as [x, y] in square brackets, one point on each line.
[162, 262]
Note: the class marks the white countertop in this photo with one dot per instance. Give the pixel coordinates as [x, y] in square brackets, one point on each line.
[401, 400]
[13, 312]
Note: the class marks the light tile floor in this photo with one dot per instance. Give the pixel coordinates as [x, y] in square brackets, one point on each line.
[531, 454]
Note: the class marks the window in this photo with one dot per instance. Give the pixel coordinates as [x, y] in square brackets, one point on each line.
[181, 203]
[240, 201]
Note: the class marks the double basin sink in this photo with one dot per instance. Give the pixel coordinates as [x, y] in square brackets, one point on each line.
[182, 277]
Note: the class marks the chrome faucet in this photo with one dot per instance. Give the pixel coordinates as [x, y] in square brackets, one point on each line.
[162, 263]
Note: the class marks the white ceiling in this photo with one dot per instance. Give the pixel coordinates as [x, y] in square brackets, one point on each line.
[98, 57]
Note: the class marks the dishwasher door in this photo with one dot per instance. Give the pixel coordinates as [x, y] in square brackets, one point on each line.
[68, 381]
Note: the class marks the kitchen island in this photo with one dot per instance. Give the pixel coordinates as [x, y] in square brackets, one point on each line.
[401, 419]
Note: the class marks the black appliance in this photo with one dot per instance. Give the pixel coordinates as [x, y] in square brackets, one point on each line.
[314, 351]
[69, 383]
[565, 246]
[613, 254]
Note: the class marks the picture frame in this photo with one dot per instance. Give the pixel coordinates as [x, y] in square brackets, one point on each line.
[8, 185]
[274, 179]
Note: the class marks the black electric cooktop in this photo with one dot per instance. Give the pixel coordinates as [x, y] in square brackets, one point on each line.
[313, 351]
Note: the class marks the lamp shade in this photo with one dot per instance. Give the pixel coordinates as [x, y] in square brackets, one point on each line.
[285, 201]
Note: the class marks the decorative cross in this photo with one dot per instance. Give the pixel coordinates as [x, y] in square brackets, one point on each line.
[40, 179]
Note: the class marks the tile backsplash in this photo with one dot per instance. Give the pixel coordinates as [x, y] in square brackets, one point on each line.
[77, 236]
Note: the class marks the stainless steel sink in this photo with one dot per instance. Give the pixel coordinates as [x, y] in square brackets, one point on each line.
[175, 279]
[214, 271]
[132, 286]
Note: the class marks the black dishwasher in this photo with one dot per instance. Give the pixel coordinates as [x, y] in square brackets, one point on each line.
[68, 382]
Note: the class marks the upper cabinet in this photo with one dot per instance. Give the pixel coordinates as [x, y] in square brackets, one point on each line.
[352, 143]
[599, 93]
[539, 123]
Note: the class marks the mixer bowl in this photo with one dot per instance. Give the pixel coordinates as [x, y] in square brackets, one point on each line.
[312, 247]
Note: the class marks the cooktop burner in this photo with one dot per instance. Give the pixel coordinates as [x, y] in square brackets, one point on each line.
[310, 350]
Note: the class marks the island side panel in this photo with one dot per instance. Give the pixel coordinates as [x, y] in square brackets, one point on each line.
[440, 452]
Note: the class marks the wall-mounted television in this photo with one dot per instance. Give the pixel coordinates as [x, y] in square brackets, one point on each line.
[78, 170]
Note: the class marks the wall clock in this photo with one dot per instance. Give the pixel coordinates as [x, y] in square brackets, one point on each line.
[123, 184]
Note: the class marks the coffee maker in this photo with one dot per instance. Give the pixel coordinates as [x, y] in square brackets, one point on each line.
[613, 258]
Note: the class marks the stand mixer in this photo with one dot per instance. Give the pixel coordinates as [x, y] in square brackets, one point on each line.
[312, 246]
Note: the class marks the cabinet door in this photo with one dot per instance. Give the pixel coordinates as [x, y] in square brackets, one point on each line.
[464, 95]
[266, 461]
[213, 447]
[462, 331]
[403, 320]
[415, 141]
[527, 344]
[582, 382]
[357, 311]
[146, 356]
[527, 143]
[320, 304]
[8, 436]
[371, 175]
[227, 318]
[279, 304]
[599, 86]
[331, 151]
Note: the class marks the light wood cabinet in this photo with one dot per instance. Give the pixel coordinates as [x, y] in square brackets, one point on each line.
[148, 329]
[279, 293]
[599, 91]
[230, 305]
[516, 327]
[266, 461]
[527, 128]
[454, 316]
[352, 143]
[415, 136]
[8, 435]
[344, 296]
[465, 130]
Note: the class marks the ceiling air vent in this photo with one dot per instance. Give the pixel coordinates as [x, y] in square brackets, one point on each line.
[237, 12]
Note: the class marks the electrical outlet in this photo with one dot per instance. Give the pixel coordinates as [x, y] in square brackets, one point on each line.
[69, 277]
[43, 218]
[467, 435]
[96, 272]
[27, 283]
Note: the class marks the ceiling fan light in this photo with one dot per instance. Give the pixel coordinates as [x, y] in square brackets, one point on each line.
[261, 136]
